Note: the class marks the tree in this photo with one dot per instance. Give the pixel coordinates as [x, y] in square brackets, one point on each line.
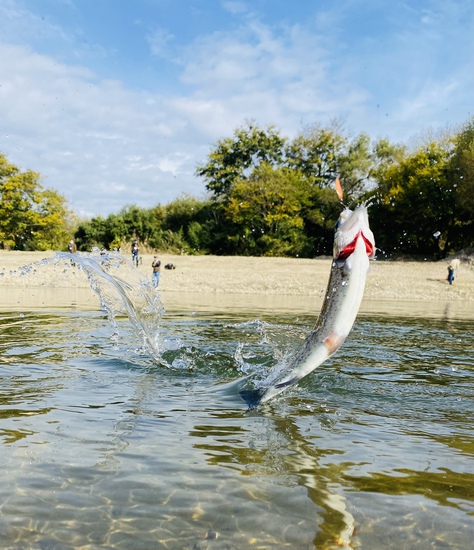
[315, 153]
[265, 212]
[235, 158]
[323, 154]
[461, 179]
[56, 222]
[413, 208]
[91, 233]
[355, 165]
[245, 172]
[385, 155]
[196, 220]
[31, 218]
[132, 222]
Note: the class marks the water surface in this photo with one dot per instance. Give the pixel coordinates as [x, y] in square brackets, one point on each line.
[106, 445]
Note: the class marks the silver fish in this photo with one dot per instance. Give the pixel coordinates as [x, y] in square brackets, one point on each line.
[354, 245]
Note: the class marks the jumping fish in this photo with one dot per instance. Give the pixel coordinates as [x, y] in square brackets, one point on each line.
[354, 245]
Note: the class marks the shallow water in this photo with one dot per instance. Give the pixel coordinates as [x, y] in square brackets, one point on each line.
[103, 445]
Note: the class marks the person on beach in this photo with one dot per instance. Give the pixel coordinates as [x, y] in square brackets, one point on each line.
[72, 249]
[452, 267]
[72, 246]
[135, 251]
[450, 277]
[155, 276]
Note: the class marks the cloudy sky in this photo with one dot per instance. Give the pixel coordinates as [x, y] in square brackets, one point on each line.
[114, 102]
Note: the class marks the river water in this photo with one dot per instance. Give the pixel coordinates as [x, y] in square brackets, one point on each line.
[121, 426]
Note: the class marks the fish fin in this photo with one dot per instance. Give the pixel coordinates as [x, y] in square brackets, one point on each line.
[252, 397]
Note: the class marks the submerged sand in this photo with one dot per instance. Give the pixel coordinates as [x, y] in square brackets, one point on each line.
[211, 282]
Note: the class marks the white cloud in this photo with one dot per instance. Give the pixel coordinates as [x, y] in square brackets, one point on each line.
[80, 131]
[105, 142]
[431, 100]
[159, 41]
[255, 73]
[235, 7]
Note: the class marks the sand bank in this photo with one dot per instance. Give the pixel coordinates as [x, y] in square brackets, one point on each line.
[210, 282]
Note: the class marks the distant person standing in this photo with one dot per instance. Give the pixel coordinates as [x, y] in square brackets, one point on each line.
[450, 277]
[72, 249]
[135, 251]
[454, 265]
[72, 246]
[155, 276]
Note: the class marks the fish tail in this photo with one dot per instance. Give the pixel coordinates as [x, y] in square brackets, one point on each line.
[252, 397]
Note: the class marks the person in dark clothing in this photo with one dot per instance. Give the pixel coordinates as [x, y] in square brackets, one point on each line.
[155, 276]
[135, 251]
[450, 274]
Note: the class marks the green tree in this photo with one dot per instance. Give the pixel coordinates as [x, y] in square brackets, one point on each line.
[31, 218]
[265, 212]
[181, 212]
[195, 219]
[91, 233]
[141, 223]
[384, 155]
[56, 222]
[324, 153]
[114, 231]
[235, 158]
[245, 171]
[355, 165]
[132, 222]
[413, 206]
[315, 153]
[461, 179]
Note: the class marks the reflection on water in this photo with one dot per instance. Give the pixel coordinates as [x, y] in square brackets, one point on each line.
[103, 445]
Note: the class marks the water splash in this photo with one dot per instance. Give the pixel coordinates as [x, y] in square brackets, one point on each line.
[276, 343]
[122, 289]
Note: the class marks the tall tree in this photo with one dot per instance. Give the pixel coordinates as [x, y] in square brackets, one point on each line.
[235, 158]
[30, 217]
[315, 152]
[355, 165]
[266, 212]
[56, 222]
[413, 206]
[461, 179]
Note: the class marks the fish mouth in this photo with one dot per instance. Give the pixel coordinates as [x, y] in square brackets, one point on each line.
[349, 248]
[351, 226]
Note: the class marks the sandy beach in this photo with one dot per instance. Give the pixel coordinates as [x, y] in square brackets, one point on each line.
[216, 280]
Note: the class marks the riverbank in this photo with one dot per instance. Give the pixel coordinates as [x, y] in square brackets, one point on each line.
[292, 280]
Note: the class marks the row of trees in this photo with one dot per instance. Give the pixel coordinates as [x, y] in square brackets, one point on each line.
[269, 195]
[272, 196]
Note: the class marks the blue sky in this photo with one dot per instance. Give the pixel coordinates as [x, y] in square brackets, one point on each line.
[115, 102]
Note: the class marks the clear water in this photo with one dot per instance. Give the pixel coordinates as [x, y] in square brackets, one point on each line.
[113, 435]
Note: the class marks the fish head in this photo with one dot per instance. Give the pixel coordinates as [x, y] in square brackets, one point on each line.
[351, 226]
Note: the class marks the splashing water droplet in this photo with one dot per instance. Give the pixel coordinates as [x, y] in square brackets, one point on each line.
[121, 288]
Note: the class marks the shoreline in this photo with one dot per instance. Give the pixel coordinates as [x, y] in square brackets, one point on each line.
[216, 283]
